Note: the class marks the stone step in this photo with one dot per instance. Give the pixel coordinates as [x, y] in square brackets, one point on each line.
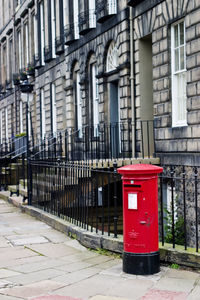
[21, 182]
[4, 195]
[12, 189]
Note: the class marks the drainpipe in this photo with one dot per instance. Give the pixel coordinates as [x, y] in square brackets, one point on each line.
[15, 59]
[132, 79]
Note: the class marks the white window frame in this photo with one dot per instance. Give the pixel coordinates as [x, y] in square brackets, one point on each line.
[53, 28]
[79, 105]
[1, 127]
[54, 109]
[92, 14]
[112, 60]
[179, 103]
[35, 36]
[27, 43]
[95, 96]
[43, 113]
[112, 7]
[76, 22]
[20, 49]
[21, 116]
[42, 32]
[65, 11]
[6, 123]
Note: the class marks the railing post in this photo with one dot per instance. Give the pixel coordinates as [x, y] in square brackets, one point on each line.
[115, 199]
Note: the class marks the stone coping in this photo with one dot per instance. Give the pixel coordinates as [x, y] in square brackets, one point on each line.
[95, 240]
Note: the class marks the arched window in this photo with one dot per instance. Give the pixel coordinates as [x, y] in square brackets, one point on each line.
[112, 60]
[93, 94]
[77, 100]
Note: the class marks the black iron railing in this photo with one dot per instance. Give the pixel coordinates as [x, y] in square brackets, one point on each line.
[86, 197]
[179, 206]
[103, 141]
[92, 199]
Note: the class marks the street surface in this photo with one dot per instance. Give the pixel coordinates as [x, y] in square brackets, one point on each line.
[40, 263]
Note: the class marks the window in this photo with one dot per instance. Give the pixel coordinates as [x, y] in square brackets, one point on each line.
[35, 36]
[6, 123]
[112, 61]
[26, 45]
[112, 7]
[1, 127]
[179, 103]
[4, 75]
[21, 127]
[53, 28]
[65, 12]
[19, 50]
[75, 16]
[53, 108]
[95, 99]
[42, 32]
[10, 58]
[42, 113]
[32, 40]
[77, 101]
[92, 15]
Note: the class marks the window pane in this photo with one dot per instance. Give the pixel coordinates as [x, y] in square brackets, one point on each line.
[182, 34]
[182, 58]
[176, 41]
[176, 60]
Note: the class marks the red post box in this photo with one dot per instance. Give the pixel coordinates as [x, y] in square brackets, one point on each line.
[140, 219]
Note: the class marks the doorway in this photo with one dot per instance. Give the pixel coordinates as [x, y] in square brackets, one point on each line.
[115, 146]
[146, 96]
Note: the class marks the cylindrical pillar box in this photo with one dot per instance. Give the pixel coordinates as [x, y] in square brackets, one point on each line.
[140, 218]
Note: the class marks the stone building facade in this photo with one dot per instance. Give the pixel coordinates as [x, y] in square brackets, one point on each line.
[78, 54]
[121, 65]
[167, 32]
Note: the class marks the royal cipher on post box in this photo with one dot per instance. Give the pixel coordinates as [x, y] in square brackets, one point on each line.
[140, 218]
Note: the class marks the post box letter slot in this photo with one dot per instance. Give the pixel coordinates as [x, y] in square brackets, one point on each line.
[132, 201]
[132, 185]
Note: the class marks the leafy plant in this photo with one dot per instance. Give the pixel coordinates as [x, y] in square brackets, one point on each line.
[174, 266]
[20, 135]
[179, 233]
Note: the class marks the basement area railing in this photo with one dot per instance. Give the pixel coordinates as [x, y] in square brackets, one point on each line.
[100, 142]
[92, 199]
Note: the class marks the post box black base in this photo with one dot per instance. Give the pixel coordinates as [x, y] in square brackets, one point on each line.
[142, 263]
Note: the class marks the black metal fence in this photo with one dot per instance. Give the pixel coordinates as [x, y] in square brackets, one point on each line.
[103, 141]
[180, 206]
[92, 198]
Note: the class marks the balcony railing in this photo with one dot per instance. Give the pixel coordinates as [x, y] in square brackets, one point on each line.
[47, 53]
[105, 9]
[100, 142]
[87, 21]
[59, 45]
[71, 33]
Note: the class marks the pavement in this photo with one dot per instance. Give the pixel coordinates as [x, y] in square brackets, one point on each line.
[40, 263]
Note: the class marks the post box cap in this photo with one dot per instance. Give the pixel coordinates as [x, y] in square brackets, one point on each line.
[140, 169]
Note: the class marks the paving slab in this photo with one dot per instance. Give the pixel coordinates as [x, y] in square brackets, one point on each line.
[164, 295]
[175, 284]
[31, 290]
[27, 240]
[3, 297]
[100, 297]
[194, 294]
[4, 273]
[53, 250]
[55, 297]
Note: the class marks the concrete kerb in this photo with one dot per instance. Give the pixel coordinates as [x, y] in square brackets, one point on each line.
[94, 240]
